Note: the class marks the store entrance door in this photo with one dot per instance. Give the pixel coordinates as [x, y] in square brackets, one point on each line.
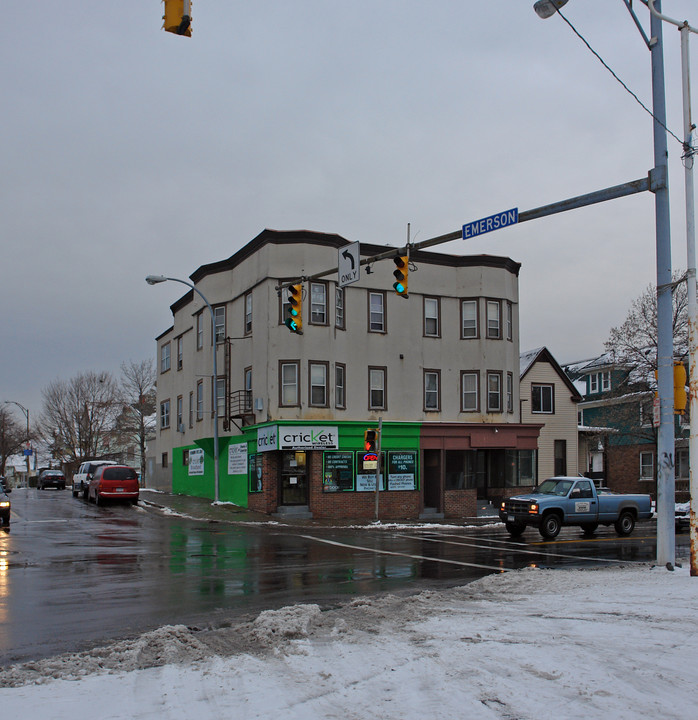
[293, 478]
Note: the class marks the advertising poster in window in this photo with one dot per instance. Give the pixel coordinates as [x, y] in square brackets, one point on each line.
[366, 463]
[196, 461]
[402, 471]
[237, 459]
[338, 471]
[255, 476]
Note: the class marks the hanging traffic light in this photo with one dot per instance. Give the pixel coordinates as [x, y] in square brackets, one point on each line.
[294, 321]
[177, 17]
[402, 268]
[371, 440]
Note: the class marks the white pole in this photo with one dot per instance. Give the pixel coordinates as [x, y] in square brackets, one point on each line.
[692, 302]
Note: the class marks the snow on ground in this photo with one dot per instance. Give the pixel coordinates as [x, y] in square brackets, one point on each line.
[533, 644]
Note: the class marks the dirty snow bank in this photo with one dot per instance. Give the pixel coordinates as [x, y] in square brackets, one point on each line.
[615, 642]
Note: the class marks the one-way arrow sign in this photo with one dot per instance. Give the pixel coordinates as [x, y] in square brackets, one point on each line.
[349, 264]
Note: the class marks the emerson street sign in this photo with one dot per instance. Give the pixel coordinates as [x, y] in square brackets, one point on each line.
[490, 224]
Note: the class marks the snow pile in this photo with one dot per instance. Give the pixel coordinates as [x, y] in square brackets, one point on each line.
[534, 644]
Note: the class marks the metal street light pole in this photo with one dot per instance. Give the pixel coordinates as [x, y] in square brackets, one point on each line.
[154, 280]
[689, 154]
[659, 184]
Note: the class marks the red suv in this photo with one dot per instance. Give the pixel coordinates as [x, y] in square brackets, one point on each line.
[113, 482]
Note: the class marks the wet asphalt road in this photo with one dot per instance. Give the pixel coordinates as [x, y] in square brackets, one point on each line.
[74, 575]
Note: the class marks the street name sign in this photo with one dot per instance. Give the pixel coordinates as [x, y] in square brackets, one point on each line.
[489, 224]
[349, 264]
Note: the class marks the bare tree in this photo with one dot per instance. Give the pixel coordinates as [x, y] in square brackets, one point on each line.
[78, 415]
[635, 341]
[136, 420]
[12, 437]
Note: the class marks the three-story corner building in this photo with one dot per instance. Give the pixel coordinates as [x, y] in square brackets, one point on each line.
[438, 371]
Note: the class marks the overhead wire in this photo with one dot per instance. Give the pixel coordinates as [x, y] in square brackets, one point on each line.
[689, 150]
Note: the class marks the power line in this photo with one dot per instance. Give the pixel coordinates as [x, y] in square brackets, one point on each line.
[688, 150]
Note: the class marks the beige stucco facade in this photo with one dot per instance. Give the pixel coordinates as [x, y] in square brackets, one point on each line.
[420, 342]
[559, 434]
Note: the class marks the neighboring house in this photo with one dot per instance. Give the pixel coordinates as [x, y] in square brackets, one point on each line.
[616, 419]
[440, 370]
[549, 397]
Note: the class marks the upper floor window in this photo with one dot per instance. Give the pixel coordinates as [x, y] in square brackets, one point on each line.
[200, 400]
[494, 321]
[340, 380]
[599, 382]
[318, 303]
[469, 324]
[376, 389]
[191, 409]
[432, 397]
[494, 392]
[510, 393]
[248, 313]
[165, 358]
[165, 414]
[646, 466]
[248, 388]
[289, 382]
[339, 320]
[220, 397]
[199, 331]
[469, 391]
[542, 398]
[510, 321]
[318, 384]
[180, 413]
[219, 323]
[376, 312]
[432, 327]
[180, 352]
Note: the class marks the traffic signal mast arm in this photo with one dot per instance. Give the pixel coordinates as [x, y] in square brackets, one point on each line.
[617, 191]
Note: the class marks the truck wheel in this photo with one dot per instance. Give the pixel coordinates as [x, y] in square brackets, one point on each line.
[625, 523]
[550, 526]
[515, 529]
[589, 528]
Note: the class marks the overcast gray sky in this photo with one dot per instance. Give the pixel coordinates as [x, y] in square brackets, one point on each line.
[128, 151]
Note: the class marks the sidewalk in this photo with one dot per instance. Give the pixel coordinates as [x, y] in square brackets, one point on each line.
[205, 509]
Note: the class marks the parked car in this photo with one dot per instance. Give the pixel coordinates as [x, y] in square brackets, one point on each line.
[113, 482]
[51, 478]
[562, 501]
[4, 509]
[81, 479]
[4, 485]
[682, 513]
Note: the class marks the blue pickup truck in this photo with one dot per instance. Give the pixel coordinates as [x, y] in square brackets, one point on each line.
[562, 501]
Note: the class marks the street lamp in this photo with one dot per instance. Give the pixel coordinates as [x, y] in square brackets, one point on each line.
[154, 280]
[659, 184]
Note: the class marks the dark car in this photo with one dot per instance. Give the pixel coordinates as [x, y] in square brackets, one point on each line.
[4, 509]
[4, 485]
[51, 478]
[113, 482]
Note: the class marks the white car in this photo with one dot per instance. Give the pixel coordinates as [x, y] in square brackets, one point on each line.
[81, 479]
[682, 513]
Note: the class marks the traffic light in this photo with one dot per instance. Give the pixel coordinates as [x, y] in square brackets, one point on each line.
[177, 17]
[371, 440]
[679, 388]
[402, 269]
[294, 321]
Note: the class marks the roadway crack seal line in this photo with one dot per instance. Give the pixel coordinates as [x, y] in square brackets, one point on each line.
[526, 552]
[405, 555]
